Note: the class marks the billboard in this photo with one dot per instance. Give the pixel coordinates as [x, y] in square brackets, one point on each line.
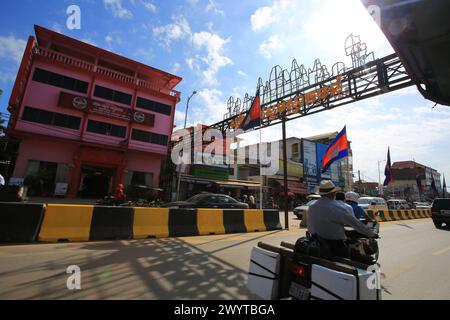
[321, 150]
[294, 169]
[309, 152]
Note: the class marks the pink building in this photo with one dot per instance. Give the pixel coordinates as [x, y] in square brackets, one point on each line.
[87, 118]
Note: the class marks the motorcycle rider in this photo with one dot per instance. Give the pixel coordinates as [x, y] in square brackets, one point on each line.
[119, 194]
[327, 218]
[352, 200]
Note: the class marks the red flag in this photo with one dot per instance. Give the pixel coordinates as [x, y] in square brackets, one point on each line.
[253, 117]
[338, 149]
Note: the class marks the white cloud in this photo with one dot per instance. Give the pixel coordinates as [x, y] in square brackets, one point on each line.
[118, 9]
[321, 31]
[149, 6]
[109, 39]
[265, 16]
[177, 30]
[214, 59]
[212, 6]
[242, 73]
[210, 47]
[12, 48]
[208, 109]
[176, 67]
[271, 45]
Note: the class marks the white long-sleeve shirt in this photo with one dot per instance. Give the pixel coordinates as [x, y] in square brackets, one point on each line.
[327, 218]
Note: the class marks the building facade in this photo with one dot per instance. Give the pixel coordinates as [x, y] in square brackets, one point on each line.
[412, 181]
[88, 119]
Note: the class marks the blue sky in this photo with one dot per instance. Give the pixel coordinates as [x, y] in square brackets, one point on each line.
[220, 49]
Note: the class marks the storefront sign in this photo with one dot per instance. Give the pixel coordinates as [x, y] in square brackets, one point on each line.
[208, 172]
[298, 103]
[294, 169]
[71, 101]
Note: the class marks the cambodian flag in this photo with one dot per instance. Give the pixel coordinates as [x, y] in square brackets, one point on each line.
[444, 188]
[388, 170]
[433, 186]
[338, 149]
[253, 117]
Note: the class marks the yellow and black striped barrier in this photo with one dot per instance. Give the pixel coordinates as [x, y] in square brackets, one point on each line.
[397, 215]
[91, 223]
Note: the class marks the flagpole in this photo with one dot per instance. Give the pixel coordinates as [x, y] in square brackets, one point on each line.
[260, 162]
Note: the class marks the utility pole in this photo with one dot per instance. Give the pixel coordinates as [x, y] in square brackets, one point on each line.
[380, 186]
[285, 173]
[181, 166]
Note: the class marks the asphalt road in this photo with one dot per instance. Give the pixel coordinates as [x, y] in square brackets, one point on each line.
[415, 260]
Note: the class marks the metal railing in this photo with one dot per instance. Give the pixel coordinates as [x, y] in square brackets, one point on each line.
[106, 72]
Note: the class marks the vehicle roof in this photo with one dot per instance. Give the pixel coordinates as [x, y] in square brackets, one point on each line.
[371, 198]
[397, 200]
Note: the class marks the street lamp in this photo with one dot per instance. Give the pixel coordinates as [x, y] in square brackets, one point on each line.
[187, 107]
[185, 120]
[380, 187]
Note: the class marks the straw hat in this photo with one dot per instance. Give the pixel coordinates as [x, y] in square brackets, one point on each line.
[326, 187]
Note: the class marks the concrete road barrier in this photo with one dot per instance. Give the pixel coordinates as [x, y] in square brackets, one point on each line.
[66, 223]
[151, 223]
[20, 222]
[60, 222]
[397, 215]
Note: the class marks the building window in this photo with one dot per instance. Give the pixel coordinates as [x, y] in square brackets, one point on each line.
[135, 178]
[51, 118]
[60, 81]
[149, 137]
[106, 129]
[153, 106]
[112, 95]
[41, 177]
[295, 151]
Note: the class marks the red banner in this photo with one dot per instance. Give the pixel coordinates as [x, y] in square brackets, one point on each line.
[67, 100]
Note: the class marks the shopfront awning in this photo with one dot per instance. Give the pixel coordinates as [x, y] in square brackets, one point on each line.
[237, 184]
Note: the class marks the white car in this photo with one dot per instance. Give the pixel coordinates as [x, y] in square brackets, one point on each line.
[372, 203]
[422, 206]
[302, 210]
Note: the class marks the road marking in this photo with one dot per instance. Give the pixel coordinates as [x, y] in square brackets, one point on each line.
[437, 253]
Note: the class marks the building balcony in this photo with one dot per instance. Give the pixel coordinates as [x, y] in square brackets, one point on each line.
[58, 57]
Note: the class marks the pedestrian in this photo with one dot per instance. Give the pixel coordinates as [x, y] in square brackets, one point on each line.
[252, 202]
[244, 198]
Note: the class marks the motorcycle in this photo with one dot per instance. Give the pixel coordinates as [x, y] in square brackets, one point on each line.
[307, 271]
[111, 201]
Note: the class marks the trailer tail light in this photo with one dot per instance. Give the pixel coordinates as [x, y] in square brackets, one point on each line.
[298, 270]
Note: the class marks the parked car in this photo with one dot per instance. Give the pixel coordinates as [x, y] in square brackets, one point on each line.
[422, 206]
[440, 212]
[398, 204]
[373, 203]
[313, 197]
[208, 200]
[301, 211]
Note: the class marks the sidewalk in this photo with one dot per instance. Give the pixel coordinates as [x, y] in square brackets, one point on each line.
[62, 200]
